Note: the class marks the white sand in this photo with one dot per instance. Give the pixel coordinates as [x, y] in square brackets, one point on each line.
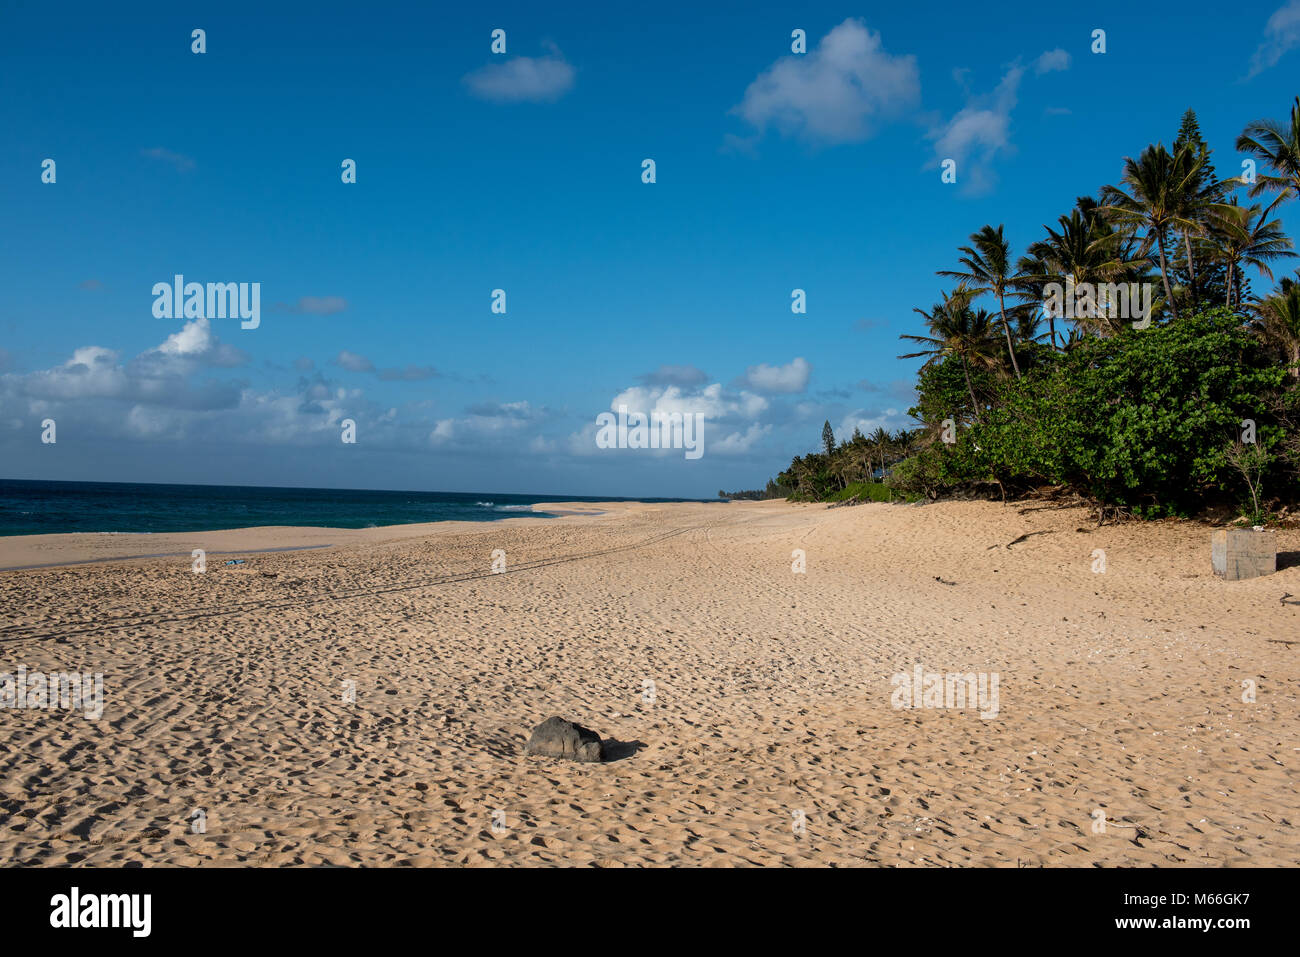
[1120, 693]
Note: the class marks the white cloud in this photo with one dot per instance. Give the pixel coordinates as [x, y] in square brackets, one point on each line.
[489, 421]
[868, 420]
[523, 79]
[791, 377]
[161, 395]
[1281, 35]
[1051, 61]
[539, 445]
[738, 443]
[711, 401]
[92, 372]
[981, 130]
[354, 362]
[837, 92]
[978, 133]
[197, 342]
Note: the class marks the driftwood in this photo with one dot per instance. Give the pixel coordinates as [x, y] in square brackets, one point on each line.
[1017, 541]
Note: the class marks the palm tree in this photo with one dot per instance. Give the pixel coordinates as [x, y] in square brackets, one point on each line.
[1086, 250]
[957, 330]
[1277, 320]
[1164, 194]
[1279, 147]
[1028, 322]
[988, 269]
[861, 452]
[1239, 243]
[902, 443]
[880, 439]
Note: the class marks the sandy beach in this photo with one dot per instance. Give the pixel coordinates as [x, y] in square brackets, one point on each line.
[367, 702]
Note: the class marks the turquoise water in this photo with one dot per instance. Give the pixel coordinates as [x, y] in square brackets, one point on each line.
[31, 508]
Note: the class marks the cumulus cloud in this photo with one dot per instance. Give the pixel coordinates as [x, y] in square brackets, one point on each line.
[196, 342]
[868, 420]
[523, 79]
[711, 401]
[737, 443]
[1052, 61]
[165, 394]
[791, 377]
[1281, 36]
[154, 377]
[91, 372]
[489, 420]
[838, 92]
[732, 412]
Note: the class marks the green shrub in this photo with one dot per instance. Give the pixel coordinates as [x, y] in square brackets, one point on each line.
[872, 492]
[1143, 419]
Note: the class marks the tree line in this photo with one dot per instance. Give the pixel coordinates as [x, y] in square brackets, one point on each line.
[1124, 355]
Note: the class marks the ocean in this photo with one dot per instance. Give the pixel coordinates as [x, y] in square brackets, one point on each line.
[33, 507]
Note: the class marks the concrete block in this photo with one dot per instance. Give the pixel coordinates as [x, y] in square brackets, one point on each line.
[1237, 553]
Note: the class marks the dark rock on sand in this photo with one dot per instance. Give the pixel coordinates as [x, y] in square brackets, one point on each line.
[557, 738]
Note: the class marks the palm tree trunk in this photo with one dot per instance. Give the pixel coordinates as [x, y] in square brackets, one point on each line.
[1164, 273]
[974, 403]
[1295, 360]
[1191, 263]
[1228, 301]
[1011, 350]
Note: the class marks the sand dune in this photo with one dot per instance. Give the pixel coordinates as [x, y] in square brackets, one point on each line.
[749, 706]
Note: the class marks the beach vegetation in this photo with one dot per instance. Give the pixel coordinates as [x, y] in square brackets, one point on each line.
[1125, 357]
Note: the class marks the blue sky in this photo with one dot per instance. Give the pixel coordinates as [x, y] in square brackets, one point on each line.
[522, 171]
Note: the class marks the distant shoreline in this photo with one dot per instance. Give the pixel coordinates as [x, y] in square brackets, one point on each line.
[62, 549]
[29, 507]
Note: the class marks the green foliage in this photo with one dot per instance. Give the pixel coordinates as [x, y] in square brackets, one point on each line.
[820, 477]
[922, 475]
[872, 492]
[1149, 420]
[1143, 419]
[773, 490]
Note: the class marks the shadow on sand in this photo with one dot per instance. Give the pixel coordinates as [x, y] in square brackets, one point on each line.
[616, 750]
